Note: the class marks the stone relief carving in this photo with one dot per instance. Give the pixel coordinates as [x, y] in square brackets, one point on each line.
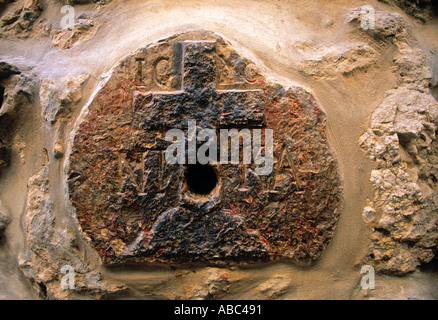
[137, 208]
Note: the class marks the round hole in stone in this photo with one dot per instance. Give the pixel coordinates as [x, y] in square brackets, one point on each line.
[201, 179]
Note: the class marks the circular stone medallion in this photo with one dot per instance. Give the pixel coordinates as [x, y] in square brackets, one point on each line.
[136, 207]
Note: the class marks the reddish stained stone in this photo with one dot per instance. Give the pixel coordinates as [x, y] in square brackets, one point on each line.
[136, 208]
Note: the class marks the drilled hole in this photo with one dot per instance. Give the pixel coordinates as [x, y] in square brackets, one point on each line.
[201, 179]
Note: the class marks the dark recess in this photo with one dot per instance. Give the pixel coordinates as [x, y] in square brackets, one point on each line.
[201, 179]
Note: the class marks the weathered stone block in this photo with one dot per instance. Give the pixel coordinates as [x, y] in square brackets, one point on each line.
[137, 208]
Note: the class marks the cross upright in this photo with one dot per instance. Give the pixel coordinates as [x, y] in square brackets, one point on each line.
[199, 99]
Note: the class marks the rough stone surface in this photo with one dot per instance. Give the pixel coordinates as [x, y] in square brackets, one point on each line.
[6, 70]
[420, 9]
[5, 2]
[137, 208]
[21, 18]
[341, 59]
[17, 95]
[25, 18]
[51, 247]
[273, 288]
[389, 27]
[5, 219]
[215, 286]
[402, 216]
[82, 30]
[412, 69]
[84, 1]
[378, 84]
[58, 97]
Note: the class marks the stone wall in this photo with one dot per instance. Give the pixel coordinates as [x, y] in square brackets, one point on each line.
[350, 93]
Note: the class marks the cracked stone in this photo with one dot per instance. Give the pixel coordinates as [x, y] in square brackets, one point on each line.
[137, 208]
